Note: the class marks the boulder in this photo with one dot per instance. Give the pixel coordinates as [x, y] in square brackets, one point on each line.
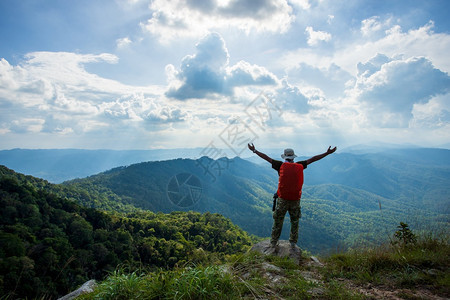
[283, 249]
[87, 287]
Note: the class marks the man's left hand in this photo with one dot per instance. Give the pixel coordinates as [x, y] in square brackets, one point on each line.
[329, 151]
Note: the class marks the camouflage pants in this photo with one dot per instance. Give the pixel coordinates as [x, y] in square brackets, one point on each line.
[283, 206]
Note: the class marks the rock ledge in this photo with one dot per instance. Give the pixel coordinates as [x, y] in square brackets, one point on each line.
[87, 287]
[283, 249]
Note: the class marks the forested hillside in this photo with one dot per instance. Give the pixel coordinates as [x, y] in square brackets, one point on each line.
[333, 215]
[53, 237]
[417, 176]
[50, 245]
[348, 198]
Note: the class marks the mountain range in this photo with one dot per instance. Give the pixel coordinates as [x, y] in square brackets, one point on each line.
[58, 165]
[348, 198]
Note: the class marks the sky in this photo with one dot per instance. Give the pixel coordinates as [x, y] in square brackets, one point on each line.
[218, 74]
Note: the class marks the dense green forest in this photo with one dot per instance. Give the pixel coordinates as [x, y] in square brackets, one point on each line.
[50, 245]
[361, 194]
[416, 176]
[410, 267]
[54, 237]
[333, 215]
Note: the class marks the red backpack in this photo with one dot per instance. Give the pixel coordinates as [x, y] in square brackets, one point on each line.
[291, 181]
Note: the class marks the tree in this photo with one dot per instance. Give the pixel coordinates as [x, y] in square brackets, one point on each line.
[404, 235]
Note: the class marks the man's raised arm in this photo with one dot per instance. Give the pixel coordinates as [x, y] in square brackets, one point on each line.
[260, 154]
[320, 156]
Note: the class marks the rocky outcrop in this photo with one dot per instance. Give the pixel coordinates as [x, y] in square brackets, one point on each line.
[284, 249]
[308, 266]
[87, 287]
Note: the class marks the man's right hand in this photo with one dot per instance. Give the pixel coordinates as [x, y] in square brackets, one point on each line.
[260, 154]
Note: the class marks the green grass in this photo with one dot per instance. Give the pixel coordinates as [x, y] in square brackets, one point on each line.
[246, 276]
[337, 291]
[123, 286]
[210, 282]
[424, 263]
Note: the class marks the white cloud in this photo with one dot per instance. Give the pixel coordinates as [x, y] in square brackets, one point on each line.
[373, 65]
[62, 103]
[132, 2]
[315, 37]
[8, 75]
[123, 42]
[66, 70]
[243, 73]
[390, 93]
[203, 73]
[304, 4]
[207, 73]
[173, 19]
[24, 125]
[393, 43]
[291, 98]
[416, 42]
[433, 114]
[395, 95]
[53, 93]
[139, 108]
[330, 19]
[352, 79]
[371, 25]
[331, 80]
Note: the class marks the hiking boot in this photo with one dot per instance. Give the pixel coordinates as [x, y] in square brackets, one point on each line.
[273, 248]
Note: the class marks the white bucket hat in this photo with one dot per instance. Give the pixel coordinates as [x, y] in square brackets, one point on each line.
[288, 154]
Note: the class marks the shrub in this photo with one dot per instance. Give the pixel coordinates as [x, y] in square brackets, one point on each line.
[404, 235]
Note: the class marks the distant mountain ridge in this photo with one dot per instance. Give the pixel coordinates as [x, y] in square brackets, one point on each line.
[50, 245]
[341, 202]
[340, 189]
[58, 165]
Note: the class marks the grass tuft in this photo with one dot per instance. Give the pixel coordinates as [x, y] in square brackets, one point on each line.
[422, 263]
[188, 283]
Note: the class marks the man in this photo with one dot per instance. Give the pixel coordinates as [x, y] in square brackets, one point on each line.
[289, 191]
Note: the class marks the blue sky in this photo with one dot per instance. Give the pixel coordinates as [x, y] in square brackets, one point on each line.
[131, 74]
